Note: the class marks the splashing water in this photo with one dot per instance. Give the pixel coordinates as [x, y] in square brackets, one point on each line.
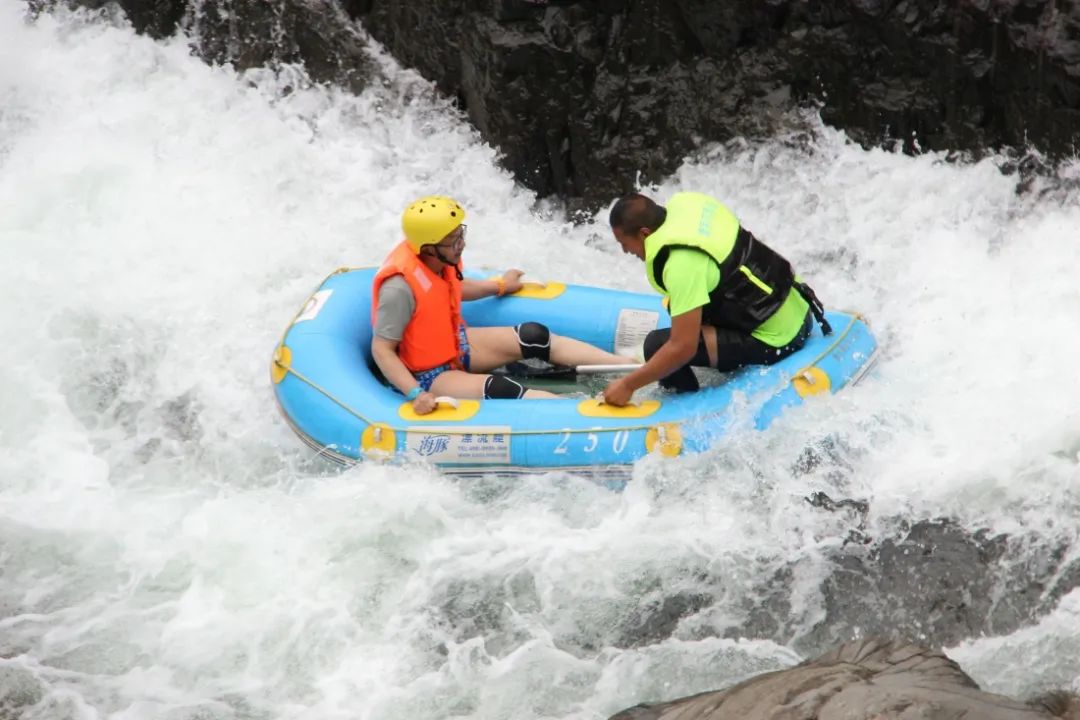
[169, 550]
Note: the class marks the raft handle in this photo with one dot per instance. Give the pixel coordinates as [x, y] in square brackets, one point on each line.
[629, 403]
[446, 400]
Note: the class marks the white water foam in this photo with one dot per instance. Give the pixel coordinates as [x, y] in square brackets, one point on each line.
[170, 550]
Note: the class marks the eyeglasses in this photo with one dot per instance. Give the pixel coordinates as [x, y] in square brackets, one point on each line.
[455, 241]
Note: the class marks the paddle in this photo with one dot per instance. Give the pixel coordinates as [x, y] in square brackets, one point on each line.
[558, 372]
[606, 369]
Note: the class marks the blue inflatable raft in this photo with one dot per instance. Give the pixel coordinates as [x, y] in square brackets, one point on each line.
[326, 388]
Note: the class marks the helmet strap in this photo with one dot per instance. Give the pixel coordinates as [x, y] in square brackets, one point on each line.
[446, 261]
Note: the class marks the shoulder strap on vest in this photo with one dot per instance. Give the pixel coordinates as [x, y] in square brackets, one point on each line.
[741, 247]
[662, 257]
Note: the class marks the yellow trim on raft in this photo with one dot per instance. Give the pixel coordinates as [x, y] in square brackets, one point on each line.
[444, 412]
[540, 291]
[279, 365]
[812, 381]
[378, 441]
[665, 437]
[597, 408]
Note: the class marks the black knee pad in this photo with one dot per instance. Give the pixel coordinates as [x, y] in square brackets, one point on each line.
[535, 341]
[500, 387]
[654, 341]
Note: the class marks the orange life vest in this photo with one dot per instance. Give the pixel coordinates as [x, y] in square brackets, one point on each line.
[431, 337]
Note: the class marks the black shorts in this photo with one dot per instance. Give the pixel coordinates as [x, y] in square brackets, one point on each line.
[734, 349]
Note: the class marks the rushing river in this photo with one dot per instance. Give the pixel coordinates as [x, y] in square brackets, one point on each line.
[168, 549]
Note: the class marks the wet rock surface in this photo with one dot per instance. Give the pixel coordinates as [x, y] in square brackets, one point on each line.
[583, 96]
[865, 680]
[932, 579]
[586, 98]
[317, 34]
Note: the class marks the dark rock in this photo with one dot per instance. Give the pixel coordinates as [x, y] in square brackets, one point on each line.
[258, 33]
[658, 619]
[156, 18]
[933, 580]
[587, 98]
[583, 96]
[936, 581]
[865, 680]
[422, 34]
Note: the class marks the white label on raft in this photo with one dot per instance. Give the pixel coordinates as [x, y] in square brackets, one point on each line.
[488, 445]
[632, 328]
[314, 305]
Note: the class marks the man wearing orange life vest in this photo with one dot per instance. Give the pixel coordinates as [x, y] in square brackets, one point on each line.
[420, 342]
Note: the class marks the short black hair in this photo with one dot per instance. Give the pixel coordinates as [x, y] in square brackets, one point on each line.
[634, 211]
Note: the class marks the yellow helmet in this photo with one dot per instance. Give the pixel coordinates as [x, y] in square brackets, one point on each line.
[430, 219]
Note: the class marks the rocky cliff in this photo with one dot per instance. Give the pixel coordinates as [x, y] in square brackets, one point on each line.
[581, 96]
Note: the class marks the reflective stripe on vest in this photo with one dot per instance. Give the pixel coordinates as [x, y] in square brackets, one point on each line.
[431, 336]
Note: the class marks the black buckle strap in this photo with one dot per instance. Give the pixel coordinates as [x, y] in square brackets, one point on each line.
[815, 306]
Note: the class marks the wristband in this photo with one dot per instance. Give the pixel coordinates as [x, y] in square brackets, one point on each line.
[502, 287]
[414, 393]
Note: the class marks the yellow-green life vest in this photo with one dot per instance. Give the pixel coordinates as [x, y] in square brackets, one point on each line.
[754, 279]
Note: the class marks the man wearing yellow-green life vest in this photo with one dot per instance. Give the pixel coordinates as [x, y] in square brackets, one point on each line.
[733, 300]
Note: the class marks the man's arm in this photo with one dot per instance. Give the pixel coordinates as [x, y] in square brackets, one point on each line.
[690, 275]
[385, 353]
[476, 289]
[672, 355]
[395, 306]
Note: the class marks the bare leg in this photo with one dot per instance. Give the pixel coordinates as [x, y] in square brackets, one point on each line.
[458, 384]
[492, 347]
[568, 351]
